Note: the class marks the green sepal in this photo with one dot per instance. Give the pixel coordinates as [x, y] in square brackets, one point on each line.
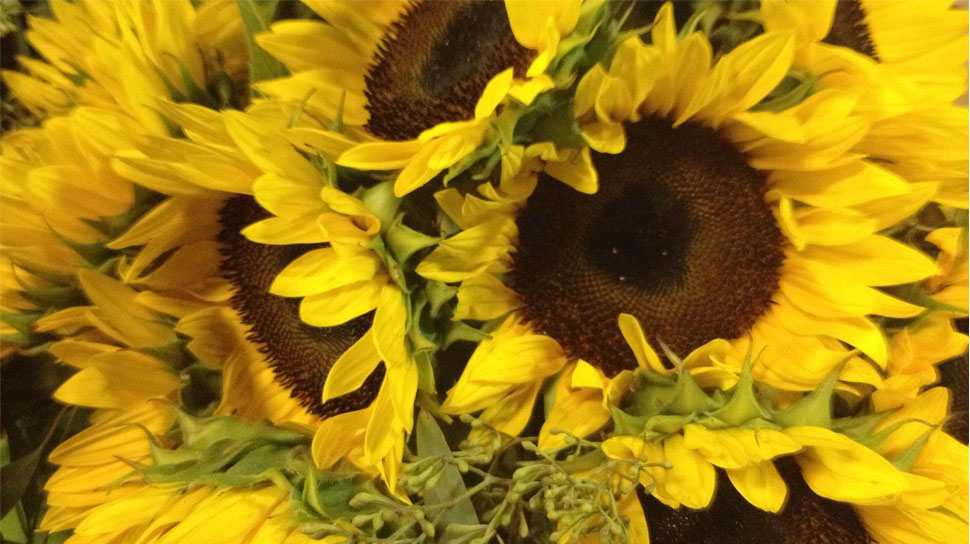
[21, 321]
[261, 464]
[742, 406]
[426, 381]
[404, 241]
[173, 353]
[551, 119]
[583, 463]
[38, 349]
[459, 330]
[873, 439]
[667, 424]
[650, 394]
[625, 424]
[256, 18]
[94, 253]
[438, 295]
[338, 119]
[815, 408]
[202, 433]
[862, 429]
[381, 201]
[19, 339]
[224, 90]
[793, 89]
[212, 448]
[54, 296]
[194, 93]
[687, 397]
[329, 495]
[592, 40]
[294, 119]
[693, 22]
[488, 150]
[907, 459]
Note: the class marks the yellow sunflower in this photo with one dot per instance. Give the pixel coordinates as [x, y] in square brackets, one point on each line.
[908, 63]
[402, 79]
[723, 230]
[319, 292]
[673, 134]
[127, 55]
[113, 275]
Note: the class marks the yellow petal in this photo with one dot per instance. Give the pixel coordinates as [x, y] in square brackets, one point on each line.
[340, 305]
[380, 155]
[337, 436]
[471, 252]
[761, 485]
[690, 481]
[493, 93]
[838, 468]
[119, 316]
[633, 334]
[580, 413]
[484, 297]
[390, 321]
[322, 269]
[825, 292]
[117, 380]
[735, 448]
[352, 368]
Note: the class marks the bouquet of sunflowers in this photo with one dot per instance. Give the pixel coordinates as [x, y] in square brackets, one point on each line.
[466, 272]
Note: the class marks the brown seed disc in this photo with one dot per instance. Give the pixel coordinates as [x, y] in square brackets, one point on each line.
[434, 62]
[849, 28]
[679, 235]
[300, 355]
[730, 519]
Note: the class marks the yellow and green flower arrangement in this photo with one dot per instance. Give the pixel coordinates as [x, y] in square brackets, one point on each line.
[466, 271]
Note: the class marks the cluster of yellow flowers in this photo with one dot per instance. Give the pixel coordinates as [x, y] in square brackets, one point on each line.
[683, 271]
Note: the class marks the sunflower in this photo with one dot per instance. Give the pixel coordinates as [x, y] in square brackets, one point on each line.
[125, 56]
[685, 249]
[404, 81]
[908, 63]
[771, 197]
[135, 281]
[319, 292]
[792, 242]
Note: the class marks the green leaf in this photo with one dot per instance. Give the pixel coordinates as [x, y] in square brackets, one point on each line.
[450, 488]
[256, 16]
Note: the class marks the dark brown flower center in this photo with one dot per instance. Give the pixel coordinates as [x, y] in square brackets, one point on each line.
[679, 235]
[301, 355]
[849, 28]
[434, 62]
